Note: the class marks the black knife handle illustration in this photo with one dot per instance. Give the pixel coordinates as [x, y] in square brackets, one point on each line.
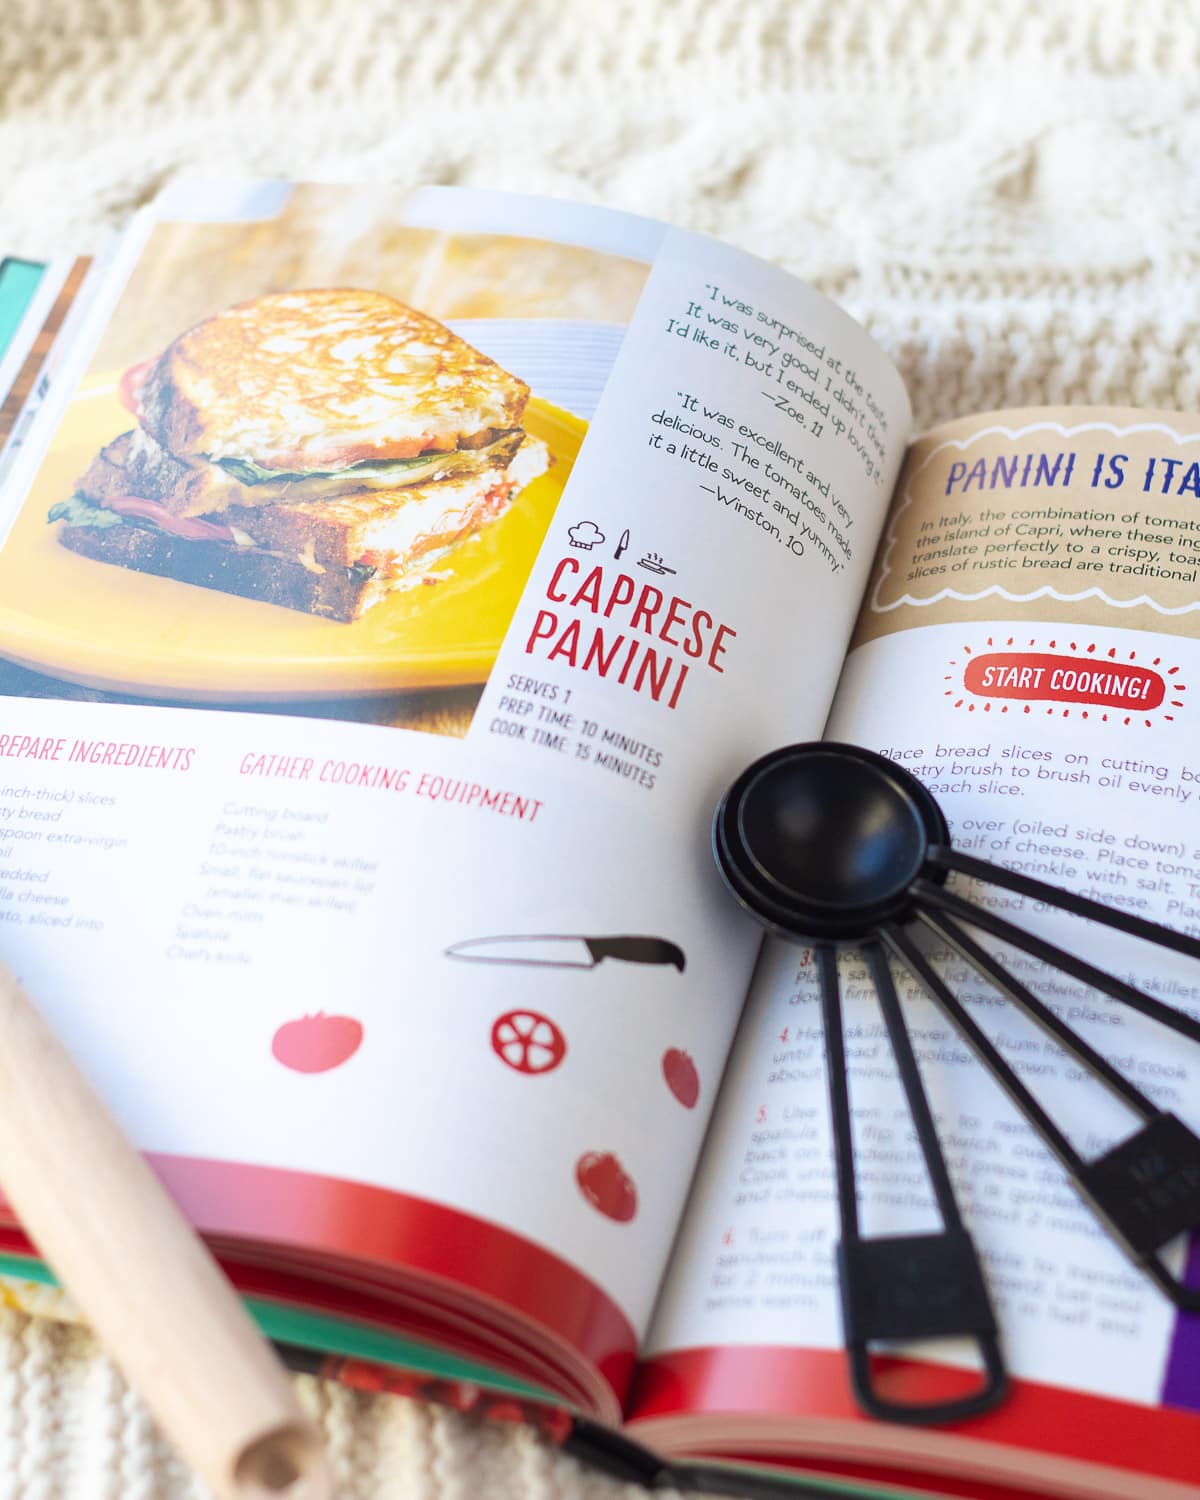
[636, 950]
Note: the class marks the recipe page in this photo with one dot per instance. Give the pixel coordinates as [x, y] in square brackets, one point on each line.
[1028, 651]
[391, 585]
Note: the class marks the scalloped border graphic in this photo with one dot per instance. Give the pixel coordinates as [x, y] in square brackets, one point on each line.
[1105, 716]
[996, 591]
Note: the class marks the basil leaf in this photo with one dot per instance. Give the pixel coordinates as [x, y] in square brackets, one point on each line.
[249, 473]
[80, 512]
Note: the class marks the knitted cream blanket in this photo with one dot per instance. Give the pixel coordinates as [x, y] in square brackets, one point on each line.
[1005, 193]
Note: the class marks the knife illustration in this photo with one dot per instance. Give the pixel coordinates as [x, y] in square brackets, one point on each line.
[554, 952]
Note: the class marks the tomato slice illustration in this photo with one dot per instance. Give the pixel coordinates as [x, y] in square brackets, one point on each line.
[682, 1079]
[606, 1185]
[528, 1041]
[317, 1043]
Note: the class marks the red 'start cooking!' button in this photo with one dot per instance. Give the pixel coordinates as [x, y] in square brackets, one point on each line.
[1039, 677]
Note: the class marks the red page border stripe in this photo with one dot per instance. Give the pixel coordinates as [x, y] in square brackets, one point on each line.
[753, 1380]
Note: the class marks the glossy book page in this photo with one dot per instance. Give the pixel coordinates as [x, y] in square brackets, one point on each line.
[390, 585]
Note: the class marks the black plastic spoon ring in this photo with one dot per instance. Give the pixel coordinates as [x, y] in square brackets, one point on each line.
[823, 841]
[831, 845]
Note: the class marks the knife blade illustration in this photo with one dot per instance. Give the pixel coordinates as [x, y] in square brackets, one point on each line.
[554, 951]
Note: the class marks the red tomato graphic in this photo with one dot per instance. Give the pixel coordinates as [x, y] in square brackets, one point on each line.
[528, 1042]
[603, 1182]
[314, 1044]
[682, 1079]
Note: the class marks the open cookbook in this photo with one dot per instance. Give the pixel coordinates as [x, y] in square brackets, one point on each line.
[390, 587]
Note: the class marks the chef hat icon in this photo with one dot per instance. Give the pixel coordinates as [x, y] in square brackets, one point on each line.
[585, 535]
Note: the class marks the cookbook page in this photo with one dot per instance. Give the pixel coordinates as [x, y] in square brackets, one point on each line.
[1028, 649]
[390, 586]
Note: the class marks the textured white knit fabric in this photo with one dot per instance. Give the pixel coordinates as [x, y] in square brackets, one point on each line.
[1004, 192]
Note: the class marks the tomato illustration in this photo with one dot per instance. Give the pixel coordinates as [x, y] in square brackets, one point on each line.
[682, 1079]
[314, 1044]
[605, 1185]
[528, 1041]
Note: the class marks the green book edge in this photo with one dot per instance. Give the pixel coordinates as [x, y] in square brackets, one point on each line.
[333, 1335]
[18, 282]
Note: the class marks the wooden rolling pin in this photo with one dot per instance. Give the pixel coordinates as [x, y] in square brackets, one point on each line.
[142, 1278]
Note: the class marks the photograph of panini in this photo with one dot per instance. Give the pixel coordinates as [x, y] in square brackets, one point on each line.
[315, 449]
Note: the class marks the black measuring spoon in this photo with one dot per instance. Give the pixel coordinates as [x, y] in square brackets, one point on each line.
[835, 846]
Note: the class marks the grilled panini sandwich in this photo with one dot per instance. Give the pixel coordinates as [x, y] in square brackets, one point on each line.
[313, 449]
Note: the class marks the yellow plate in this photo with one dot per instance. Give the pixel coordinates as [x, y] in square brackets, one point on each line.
[110, 627]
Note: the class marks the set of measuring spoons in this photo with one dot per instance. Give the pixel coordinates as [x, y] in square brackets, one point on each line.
[836, 847]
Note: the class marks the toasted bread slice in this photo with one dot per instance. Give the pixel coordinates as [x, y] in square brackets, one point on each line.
[315, 381]
[333, 593]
